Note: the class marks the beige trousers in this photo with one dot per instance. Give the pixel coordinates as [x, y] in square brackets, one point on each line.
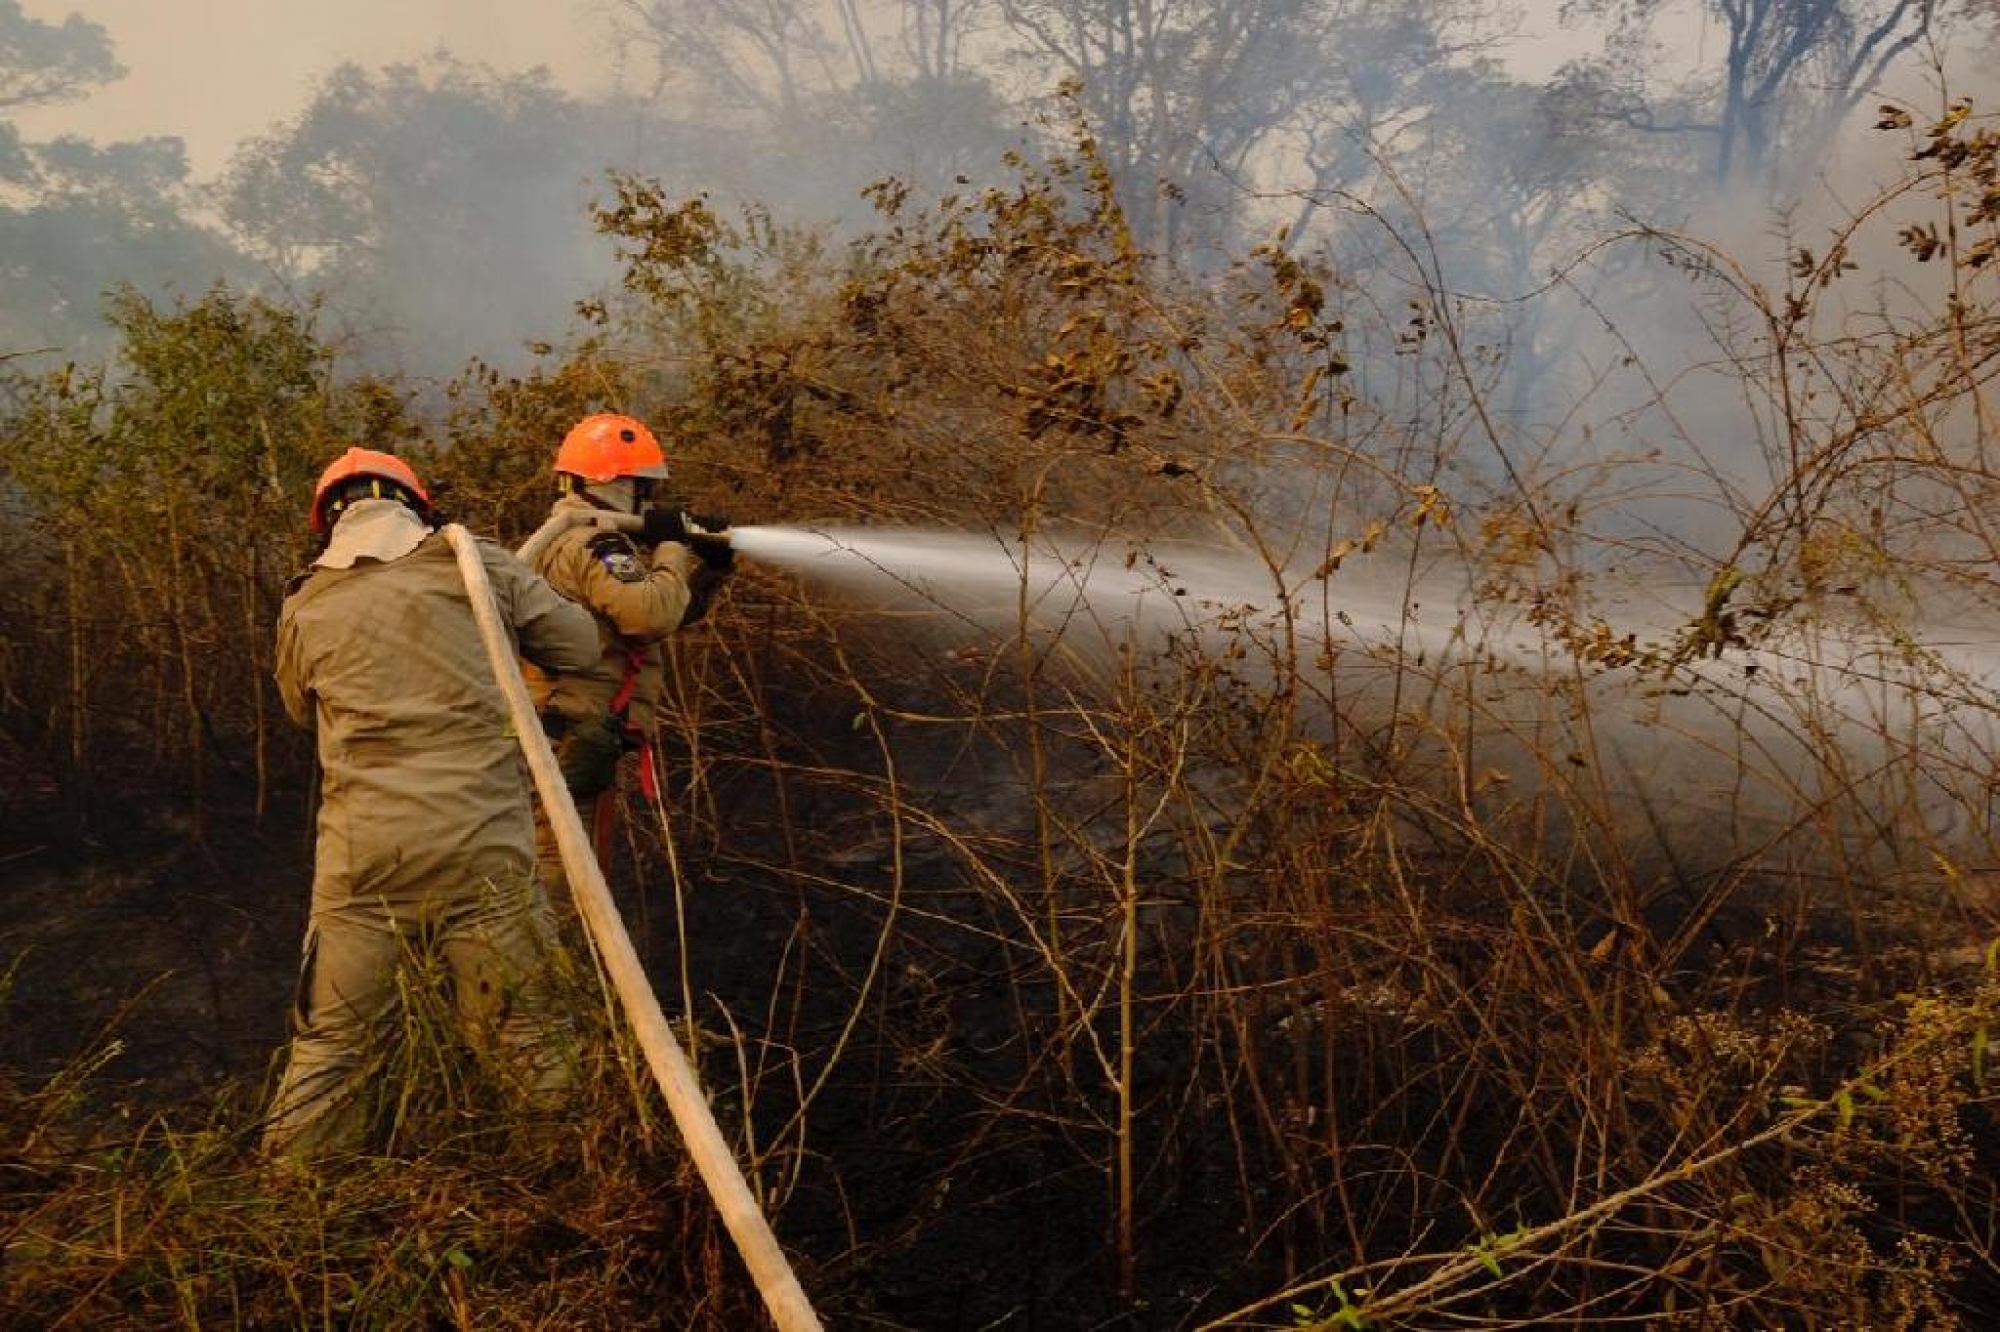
[497, 947]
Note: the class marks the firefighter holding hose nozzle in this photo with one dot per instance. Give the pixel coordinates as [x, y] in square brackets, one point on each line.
[643, 571]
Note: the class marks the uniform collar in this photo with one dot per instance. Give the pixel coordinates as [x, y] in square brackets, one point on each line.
[373, 529]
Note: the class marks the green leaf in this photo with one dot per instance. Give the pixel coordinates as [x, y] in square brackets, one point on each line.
[458, 1258]
[1483, 1251]
[1347, 1315]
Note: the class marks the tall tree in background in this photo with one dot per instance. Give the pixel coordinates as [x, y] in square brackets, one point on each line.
[1526, 184]
[1396, 75]
[818, 99]
[1180, 93]
[935, 34]
[42, 63]
[1783, 78]
[51, 62]
[78, 218]
[767, 57]
[441, 205]
[1196, 106]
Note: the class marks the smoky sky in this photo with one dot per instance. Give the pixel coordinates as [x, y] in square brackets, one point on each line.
[331, 147]
[213, 72]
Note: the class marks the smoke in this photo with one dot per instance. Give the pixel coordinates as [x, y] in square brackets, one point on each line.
[1818, 747]
[435, 185]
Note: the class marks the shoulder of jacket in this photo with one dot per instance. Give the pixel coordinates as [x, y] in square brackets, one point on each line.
[495, 552]
[307, 584]
[571, 541]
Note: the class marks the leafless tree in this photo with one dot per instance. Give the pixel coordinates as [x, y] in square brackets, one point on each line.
[765, 56]
[1790, 71]
[1173, 86]
[935, 32]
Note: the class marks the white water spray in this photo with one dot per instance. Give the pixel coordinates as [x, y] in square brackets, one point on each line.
[1746, 751]
[1102, 595]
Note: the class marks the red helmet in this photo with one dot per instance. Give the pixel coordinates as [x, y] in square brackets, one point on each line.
[363, 462]
[607, 446]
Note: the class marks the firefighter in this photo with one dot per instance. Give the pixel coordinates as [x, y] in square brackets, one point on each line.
[640, 586]
[426, 832]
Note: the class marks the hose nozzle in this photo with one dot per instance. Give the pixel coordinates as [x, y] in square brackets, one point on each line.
[715, 548]
[704, 533]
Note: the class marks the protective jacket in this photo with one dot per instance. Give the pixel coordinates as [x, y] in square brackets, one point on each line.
[423, 780]
[637, 598]
[426, 828]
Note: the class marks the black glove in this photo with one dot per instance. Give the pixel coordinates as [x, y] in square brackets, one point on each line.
[707, 534]
[664, 525]
[668, 524]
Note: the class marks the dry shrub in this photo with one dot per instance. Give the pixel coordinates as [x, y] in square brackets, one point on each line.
[469, 1209]
[1369, 967]
[157, 517]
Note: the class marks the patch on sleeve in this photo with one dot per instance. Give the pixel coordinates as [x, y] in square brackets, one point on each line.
[620, 558]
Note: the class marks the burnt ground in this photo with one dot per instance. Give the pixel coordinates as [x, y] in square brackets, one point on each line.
[923, 1207]
[183, 950]
[926, 1203]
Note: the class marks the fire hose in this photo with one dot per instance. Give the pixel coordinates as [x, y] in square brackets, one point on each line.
[692, 530]
[783, 1296]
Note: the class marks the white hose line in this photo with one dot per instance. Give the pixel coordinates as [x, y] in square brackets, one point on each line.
[563, 519]
[783, 1295]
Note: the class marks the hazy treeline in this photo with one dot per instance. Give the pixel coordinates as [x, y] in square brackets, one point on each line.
[441, 207]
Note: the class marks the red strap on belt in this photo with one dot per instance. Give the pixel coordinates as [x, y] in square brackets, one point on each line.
[635, 661]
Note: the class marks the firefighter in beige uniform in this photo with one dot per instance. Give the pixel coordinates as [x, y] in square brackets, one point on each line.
[640, 587]
[426, 836]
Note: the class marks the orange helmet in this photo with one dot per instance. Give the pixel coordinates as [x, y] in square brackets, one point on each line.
[607, 446]
[357, 462]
